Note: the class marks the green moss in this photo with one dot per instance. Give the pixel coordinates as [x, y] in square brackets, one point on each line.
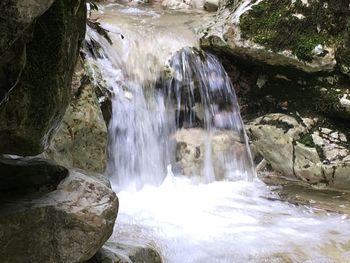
[273, 23]
[307, 140]
[343, 52]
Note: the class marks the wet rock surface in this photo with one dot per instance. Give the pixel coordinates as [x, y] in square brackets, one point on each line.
[302, 150]
[37, 94]
[20, 15]
[68, 224]
[282, 56]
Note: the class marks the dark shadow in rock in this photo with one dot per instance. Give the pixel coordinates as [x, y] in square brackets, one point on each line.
[24, 176]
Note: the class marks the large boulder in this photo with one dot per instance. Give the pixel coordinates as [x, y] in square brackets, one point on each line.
[81, 140]
[67, 222]
[300, 148]
[40, 50]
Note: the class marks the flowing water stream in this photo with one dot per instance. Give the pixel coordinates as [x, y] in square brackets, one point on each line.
[157, 82]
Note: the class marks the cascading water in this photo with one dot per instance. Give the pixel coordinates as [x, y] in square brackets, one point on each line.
[229, 220]
[198, 72]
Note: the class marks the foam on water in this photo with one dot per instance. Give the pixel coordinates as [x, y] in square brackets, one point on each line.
[229, 221]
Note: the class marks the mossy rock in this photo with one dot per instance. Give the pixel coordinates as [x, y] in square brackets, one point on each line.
[283, 25]
[312, 37]
[37, 103]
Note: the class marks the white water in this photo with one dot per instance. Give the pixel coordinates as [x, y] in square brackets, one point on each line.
[186, 220]
[229, 222]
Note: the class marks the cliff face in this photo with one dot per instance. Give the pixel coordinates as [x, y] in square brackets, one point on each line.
[38, 50]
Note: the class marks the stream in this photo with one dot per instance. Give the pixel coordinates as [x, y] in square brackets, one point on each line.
[197, 218]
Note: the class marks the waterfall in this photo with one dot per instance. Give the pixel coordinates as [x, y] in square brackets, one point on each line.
[197, 72]
[147, 110]
[163, 89]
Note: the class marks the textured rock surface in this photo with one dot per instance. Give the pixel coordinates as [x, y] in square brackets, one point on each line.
[318, 197]
[66, 225]
[19, 14]
[211, 5]
[81, 140]
[126, 252]
[41, 93]
[279, 60]
[302, 149]
[273, 137]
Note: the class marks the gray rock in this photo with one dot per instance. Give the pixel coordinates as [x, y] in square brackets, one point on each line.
[341, 176]
[307, 163]
[298, 152]
[41, 81]
[273, 136]
[67, 225]
[19, 15]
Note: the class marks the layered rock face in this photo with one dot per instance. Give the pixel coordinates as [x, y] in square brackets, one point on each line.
[38, 53]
